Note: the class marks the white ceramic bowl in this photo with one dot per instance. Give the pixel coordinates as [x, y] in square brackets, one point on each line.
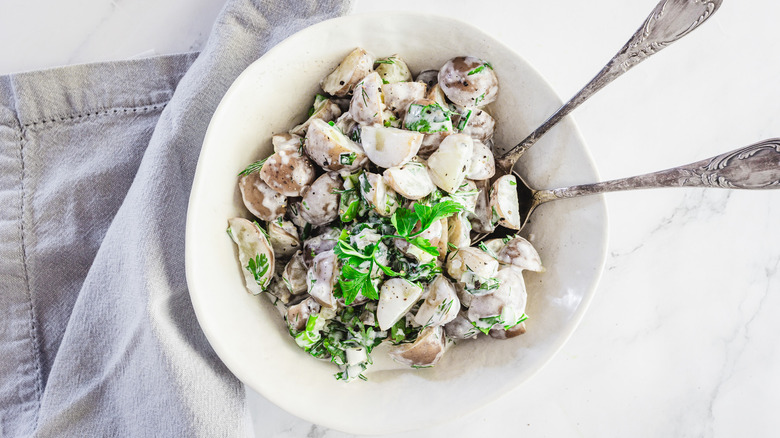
[273, 95]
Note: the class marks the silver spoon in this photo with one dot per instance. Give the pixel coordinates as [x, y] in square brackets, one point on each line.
[667, 23]
[752, 167]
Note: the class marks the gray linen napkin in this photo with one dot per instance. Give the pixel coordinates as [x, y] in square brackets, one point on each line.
[97, 333]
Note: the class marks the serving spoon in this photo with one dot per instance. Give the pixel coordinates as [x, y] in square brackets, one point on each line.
[669, 21]
[752, 167]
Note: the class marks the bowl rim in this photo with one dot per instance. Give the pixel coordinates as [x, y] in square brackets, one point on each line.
[207, 325]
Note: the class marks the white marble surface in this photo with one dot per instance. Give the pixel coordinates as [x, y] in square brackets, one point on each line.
[681, 339]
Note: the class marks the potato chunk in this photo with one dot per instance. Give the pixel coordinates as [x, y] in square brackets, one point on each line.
[483, 164]
[378, 194]
[425, 351]
[288, 171]
[396, 297]
[504, 205]
[451, 162]
[324, 109]
[440, 306]
[519, 253]
[255, 254]
[390, 147]
[399, 95]
[320, 203]
[410, 180]
[348, 73]
[469, 81]
[321, 278]
[260, 199]
[331, 149]
[284, 238]
[367, 105]
[393, 69]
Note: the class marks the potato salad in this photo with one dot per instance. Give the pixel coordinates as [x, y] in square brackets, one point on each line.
[364, 216]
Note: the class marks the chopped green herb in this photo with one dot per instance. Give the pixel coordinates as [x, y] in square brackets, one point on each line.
[497, 321]
[254, 167]
[494, 217]
[258, 267]
[479, 69]
[404, 220]
[355, 135]
[347, 158]
[490, 252]
[401, 332]
[262, 230]
[319, 101]
[427, 118]
[355, 275]
[306, 231]
[308, 337]
[464, 120]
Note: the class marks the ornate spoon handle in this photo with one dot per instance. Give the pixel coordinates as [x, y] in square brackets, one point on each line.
[752, 167]
[669, 21]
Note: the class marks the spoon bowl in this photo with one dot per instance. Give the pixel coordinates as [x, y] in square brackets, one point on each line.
[754, 167]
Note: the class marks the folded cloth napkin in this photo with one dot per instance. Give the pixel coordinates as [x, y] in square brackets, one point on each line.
[97, 333]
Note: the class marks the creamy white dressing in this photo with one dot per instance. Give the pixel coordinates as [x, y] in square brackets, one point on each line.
[388, 121]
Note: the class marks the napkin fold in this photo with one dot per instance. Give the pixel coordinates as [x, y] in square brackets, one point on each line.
[97, 333]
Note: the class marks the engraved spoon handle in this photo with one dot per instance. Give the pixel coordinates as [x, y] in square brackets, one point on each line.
[669, 21]
[752, 167]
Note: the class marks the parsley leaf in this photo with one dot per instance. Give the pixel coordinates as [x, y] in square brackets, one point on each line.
[428, 215]
[425, 245]
[404, 220]
[427, 118]
[258, 267]
[353, 281]
[355, 278]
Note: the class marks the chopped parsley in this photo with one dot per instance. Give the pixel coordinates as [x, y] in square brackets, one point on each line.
[258, 267]
[427, 118]
[319, 101]
[308, 336]
[404, 220]
[401, 332]
[356, 273]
